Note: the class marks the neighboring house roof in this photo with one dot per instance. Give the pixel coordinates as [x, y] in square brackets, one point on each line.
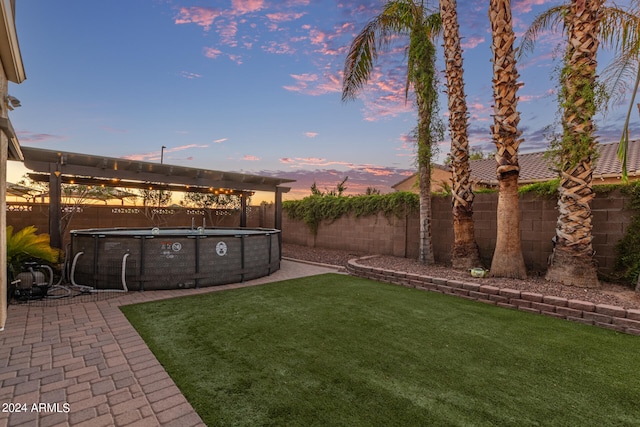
[411, 178]
[534, 167]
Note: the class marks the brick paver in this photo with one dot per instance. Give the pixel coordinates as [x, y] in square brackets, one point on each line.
[83, 364]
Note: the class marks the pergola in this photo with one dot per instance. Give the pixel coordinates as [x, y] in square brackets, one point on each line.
[59, 167]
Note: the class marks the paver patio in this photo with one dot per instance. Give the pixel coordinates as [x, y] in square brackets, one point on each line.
[83, 364]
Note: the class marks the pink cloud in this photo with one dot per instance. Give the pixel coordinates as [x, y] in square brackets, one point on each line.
[313, 161]
[142, 157]
[407, 147]
[317, 36]
[220, 141]
[311, 84]
[278, 48]
[228, 31]
[284, 16]
[480, 111]
[201, 16]
[236, 58]
[471, 42]
[529, 98]
[246, 6]
[26, 136]
[184, 147]
[361, 177]
[375, 110]
[525, 6]
[311, 134]
[376, 170]
[155, 155]
[211, 52]
[305, 77]
[251, 158]
[189, 75]
[407, 138]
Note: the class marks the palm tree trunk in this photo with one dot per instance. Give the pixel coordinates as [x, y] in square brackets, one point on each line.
[507, 257]
[426, 255]
[572, 262]
[465, 250]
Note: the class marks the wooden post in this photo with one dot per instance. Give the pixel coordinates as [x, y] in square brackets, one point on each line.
[55, 208]
[243, 209]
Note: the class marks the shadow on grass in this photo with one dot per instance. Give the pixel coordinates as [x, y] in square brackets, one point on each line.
[340, 350]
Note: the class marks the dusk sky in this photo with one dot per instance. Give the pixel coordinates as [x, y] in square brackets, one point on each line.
[254, 86]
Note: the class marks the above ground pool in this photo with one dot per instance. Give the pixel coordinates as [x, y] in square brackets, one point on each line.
[151, 259]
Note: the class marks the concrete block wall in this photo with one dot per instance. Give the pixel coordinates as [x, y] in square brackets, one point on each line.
[375, 234]
[611, 218]
[539, 215]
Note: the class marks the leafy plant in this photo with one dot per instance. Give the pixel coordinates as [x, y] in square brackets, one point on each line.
[546, 188]
[26, 245]
[316, 208]
[337, 191]
[628, 248]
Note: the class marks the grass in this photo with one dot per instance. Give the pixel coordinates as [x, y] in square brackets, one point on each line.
[338, 350]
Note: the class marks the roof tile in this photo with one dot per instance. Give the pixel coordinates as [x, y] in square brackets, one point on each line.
[535, 167]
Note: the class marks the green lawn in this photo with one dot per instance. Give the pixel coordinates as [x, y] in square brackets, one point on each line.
[338, 350]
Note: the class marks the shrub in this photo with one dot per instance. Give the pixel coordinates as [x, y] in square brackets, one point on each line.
[26, 245]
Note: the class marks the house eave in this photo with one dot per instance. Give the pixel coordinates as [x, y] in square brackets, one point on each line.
[9, 47]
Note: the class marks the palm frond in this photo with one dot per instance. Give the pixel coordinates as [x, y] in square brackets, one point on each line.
[551, 19]
[616, 77]
[623, 147]
[25, 244]
[360, 58]
[398, 17]
[620, 28]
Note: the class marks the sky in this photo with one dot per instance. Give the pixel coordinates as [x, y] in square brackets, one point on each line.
[254, 86]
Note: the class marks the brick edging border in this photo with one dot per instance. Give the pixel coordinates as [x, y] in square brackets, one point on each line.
[601, 315]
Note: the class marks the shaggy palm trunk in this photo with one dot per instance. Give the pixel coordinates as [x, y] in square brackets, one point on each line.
[426, 255]
[465, 250]
[572, 262]
[507, 258]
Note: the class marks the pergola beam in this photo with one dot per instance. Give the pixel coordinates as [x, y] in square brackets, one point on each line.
[99, 182]
[57, 167]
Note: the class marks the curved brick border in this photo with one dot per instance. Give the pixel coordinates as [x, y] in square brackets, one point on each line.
[602, 315]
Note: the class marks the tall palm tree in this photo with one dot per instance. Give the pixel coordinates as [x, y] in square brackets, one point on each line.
[465, 250]
[572, 261]
[619, 29]
[405, 17]
[586, 22]
[507, 257]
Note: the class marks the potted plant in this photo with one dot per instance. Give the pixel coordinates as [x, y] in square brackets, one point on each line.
[24, 247]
